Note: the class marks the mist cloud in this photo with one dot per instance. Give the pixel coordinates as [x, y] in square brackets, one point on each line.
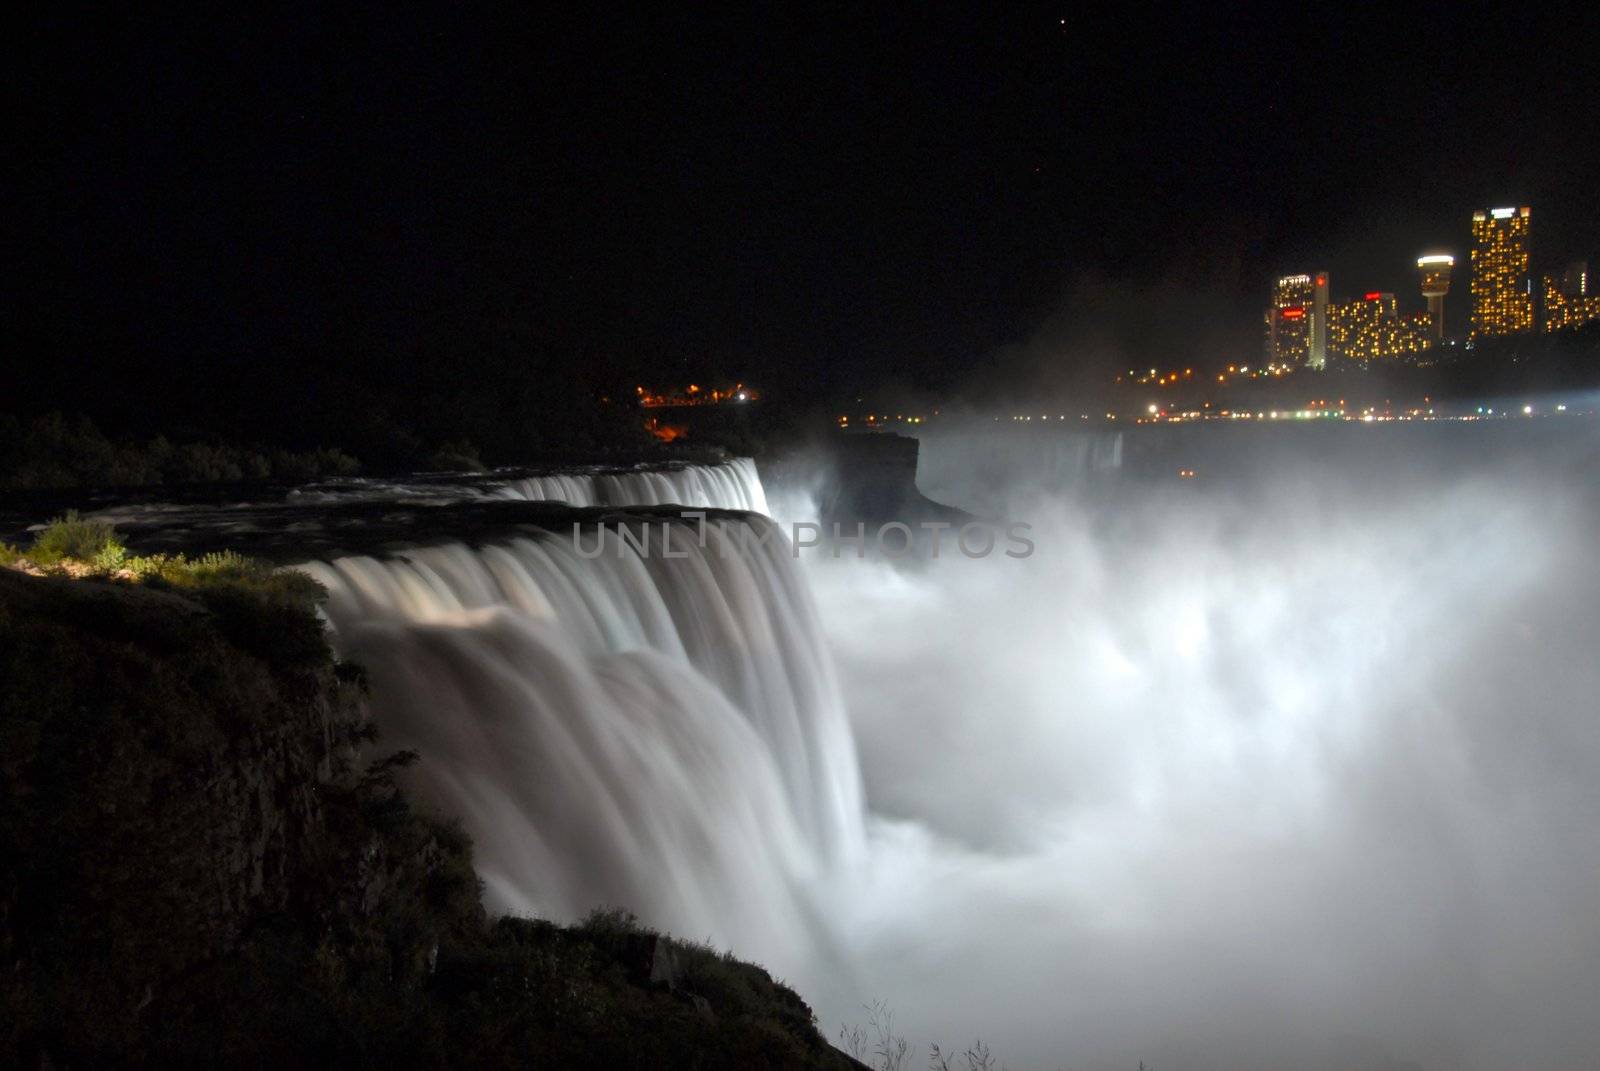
[1298, 774]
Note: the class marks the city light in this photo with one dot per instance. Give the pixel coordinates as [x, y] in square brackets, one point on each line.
[693, 394]
[1501, 301]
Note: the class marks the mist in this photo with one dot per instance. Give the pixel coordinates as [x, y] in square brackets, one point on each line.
[1290, 771]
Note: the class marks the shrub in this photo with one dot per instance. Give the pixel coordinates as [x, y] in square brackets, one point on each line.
[225, 570]
[232, 578]
[203, 463]
[110, 558]
[610, 922]
[256, 465]
[56, 451]
[70, 537]
[334, 462]
[460, 456]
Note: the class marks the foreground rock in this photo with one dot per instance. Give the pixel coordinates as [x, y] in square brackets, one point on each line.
[204, 860]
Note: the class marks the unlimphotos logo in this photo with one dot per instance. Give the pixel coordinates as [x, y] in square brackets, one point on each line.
[725, 537]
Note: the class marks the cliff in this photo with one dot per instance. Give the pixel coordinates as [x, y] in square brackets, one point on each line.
[204, 860]
[860, 478]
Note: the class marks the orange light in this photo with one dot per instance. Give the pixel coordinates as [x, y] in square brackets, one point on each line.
[665, 432]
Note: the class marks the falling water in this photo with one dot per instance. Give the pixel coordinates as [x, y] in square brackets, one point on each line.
[731, 485]
[662, 733]
[1313, 743]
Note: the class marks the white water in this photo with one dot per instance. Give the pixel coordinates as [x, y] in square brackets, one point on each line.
[1297, 771]
[1301, 776]
[659, 733]
[731, 485]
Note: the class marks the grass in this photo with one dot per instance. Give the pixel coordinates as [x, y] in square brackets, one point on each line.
[73, 545]
[251, 600]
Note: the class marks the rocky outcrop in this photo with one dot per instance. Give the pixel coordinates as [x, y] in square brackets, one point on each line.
[205, 860]
[164, 784]
[868, 478]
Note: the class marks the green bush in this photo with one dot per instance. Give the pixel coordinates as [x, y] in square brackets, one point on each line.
[70, 537]
[110, 557]
[231, 580]
[226, 570]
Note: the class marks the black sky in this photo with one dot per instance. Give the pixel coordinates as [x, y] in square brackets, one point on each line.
[253, 212]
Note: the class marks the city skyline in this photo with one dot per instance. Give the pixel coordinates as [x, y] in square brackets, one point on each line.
[1508, 294]
[964, 202]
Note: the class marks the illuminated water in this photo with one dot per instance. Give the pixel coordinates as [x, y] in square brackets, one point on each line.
[730, 485]
[663, 734]
[733, 485]
[1288, 765]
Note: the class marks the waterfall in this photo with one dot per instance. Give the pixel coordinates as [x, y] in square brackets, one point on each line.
[731, 485]
[659, 733]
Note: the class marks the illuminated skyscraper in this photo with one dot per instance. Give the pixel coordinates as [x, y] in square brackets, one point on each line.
[1372, 329]
[1435, 270]
[1502, 302]
[1297, 321]
[1567, 300]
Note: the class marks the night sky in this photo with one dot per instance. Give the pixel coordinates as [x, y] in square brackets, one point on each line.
[249, 219]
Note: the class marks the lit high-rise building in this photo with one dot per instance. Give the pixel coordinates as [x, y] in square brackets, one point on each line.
[1567, 300]
[1372, 329]
[1297, 321]
[1435, 269]
[1575, 280]
[1502, 302]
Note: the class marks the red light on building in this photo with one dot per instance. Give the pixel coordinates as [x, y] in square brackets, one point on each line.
[1292, 314]
[1322, 280]
[1374, 296]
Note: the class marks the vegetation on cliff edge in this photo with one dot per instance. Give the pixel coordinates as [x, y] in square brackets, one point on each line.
[206, 860]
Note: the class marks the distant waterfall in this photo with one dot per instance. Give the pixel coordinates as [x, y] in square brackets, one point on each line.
[663, 734]
[731, 485]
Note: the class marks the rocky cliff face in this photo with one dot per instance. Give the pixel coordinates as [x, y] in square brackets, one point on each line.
[204, 860]
[862, 478]
[167, 766]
